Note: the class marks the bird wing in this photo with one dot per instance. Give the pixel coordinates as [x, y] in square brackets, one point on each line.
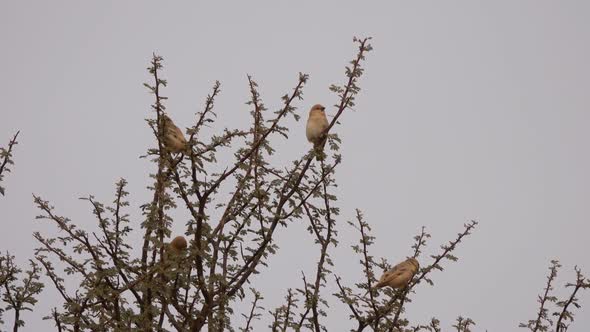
[393, 272]
[383, 280]
[179, 135]
[175, 132]
[385, 276]
[399, 269]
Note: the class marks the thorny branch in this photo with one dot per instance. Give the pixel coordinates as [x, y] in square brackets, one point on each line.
[6, 159]
[566, 313]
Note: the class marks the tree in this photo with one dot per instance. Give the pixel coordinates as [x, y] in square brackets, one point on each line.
[235, 215]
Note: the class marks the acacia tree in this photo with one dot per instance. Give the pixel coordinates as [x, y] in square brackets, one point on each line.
[235, 214]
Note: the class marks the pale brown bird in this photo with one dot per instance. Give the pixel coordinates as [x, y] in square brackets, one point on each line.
[178, 244]
[175, 249]
[174, 253]
[317, 123]
[400, 275]
[173, 138]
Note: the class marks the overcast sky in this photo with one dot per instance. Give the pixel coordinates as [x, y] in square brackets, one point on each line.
[469, 110]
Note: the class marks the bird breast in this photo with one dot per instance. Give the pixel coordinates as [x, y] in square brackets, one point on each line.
[316, 124]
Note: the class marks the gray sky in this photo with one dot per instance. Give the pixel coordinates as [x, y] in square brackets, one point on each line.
[469, 110]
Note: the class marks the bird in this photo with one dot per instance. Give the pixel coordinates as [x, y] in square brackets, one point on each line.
[173, 138]
[400, 275]
[178, 244]
[175, 250]
[174, 253]
[317, 123]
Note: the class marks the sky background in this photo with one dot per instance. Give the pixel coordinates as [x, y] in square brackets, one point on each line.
[469, 110]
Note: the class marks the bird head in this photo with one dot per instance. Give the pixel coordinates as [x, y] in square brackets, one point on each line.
[179, 243]
[317, 109]
[414, 263]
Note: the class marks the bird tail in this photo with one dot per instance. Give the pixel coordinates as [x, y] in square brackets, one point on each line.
[318, 149]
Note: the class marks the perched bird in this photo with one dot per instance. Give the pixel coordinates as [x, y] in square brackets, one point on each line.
[173, 138]
[178, 244]
[175, 250]
[174, 253]
[317, 123]
[400, 275]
